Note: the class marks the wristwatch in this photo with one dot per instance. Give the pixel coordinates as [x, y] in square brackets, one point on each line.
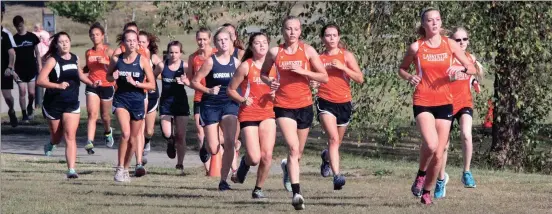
[465, 70]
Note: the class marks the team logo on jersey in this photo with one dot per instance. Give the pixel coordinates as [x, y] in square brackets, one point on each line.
[222, 75]
[287, 65]
[435, 57]
[129, 73]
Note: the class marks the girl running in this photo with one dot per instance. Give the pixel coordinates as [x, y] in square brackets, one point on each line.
[293, 98]
[133, 74]
[149, 41]
[462, 111]
[333, 102]
[432, 97]
[195, 61]
[61, 76]
[256, 115]
[101, 97]
[174, 100]
[238, 50]
[216, 106]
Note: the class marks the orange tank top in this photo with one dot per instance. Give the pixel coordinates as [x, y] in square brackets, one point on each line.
[252, 86]
[431, 67]
[460, 89]
[294, 91]
[337, 89]
[197, 62]
[98, 71]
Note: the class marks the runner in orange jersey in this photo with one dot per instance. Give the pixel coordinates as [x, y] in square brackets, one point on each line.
[462, 103]
[333, 102]
[101, 97]
[293, 99]
[432, 55]
[256, 115]
[195, 61]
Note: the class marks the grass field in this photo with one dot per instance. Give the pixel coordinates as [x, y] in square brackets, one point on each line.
[37, 185]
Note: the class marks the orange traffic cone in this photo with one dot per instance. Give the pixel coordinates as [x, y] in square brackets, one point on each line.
[216, 164]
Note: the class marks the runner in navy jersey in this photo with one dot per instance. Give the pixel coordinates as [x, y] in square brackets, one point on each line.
[61, 76]
[133, 74]
[173, 105]
[216, 106]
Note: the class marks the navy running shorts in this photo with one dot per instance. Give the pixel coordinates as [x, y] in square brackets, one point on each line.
[211, 114]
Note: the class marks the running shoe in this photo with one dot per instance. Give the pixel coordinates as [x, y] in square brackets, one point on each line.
[339, 182]
[139, 171]
[71, 174]
[126, 175]
[89, 148]
[171, 149]
[109, 138]
[30, 111]
[179, 166]
[223, 186]
[147, 148]
[325, 168]
[467, 180]
[417, 186]
[298, 202]
[234, 176]
[204, 155]
[49, 149]
[242, 170]
[426, 199]
[144, 160]
[119, 175]
[285, 179]
[258, 194]
[25, 119]
[13, 118]
[441, 187]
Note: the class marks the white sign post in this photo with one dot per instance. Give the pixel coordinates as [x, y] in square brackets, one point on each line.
[49, 22]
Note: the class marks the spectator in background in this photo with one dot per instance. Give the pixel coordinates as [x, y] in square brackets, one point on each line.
[44, 38]
[7, 72]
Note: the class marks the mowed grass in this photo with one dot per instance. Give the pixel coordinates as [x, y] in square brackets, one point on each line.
[37, 185]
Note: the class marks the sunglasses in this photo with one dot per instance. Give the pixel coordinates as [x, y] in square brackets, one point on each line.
[463, 39]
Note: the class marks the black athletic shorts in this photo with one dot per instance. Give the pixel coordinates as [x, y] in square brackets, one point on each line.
[341, 111]
[105, 93]
[55, 111]
[196, 107]
[458, 115]
[303, 116]
[443, 112]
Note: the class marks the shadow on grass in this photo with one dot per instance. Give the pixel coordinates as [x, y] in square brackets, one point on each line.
[327, 204]
[159, 195]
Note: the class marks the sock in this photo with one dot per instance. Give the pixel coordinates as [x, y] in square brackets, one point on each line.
[24, 113]
[90, 141]
[108, 132]
[256, 188]
[295, 188]
[440, 179]
[421, 173]
[147, 140]
[168, 139]
[425, 192]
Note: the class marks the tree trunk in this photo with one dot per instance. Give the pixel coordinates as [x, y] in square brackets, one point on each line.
[507, 145]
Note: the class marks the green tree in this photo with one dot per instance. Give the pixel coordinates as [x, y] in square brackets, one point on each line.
[86, 12]
[512, 39]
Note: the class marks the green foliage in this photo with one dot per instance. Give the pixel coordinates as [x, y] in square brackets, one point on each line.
[511, 39]
[86, 12]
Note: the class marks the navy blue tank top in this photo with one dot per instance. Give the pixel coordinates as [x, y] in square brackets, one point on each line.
[219, 75]
[235, 54]
[124, 88]
[64, 71]
[171, 88]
